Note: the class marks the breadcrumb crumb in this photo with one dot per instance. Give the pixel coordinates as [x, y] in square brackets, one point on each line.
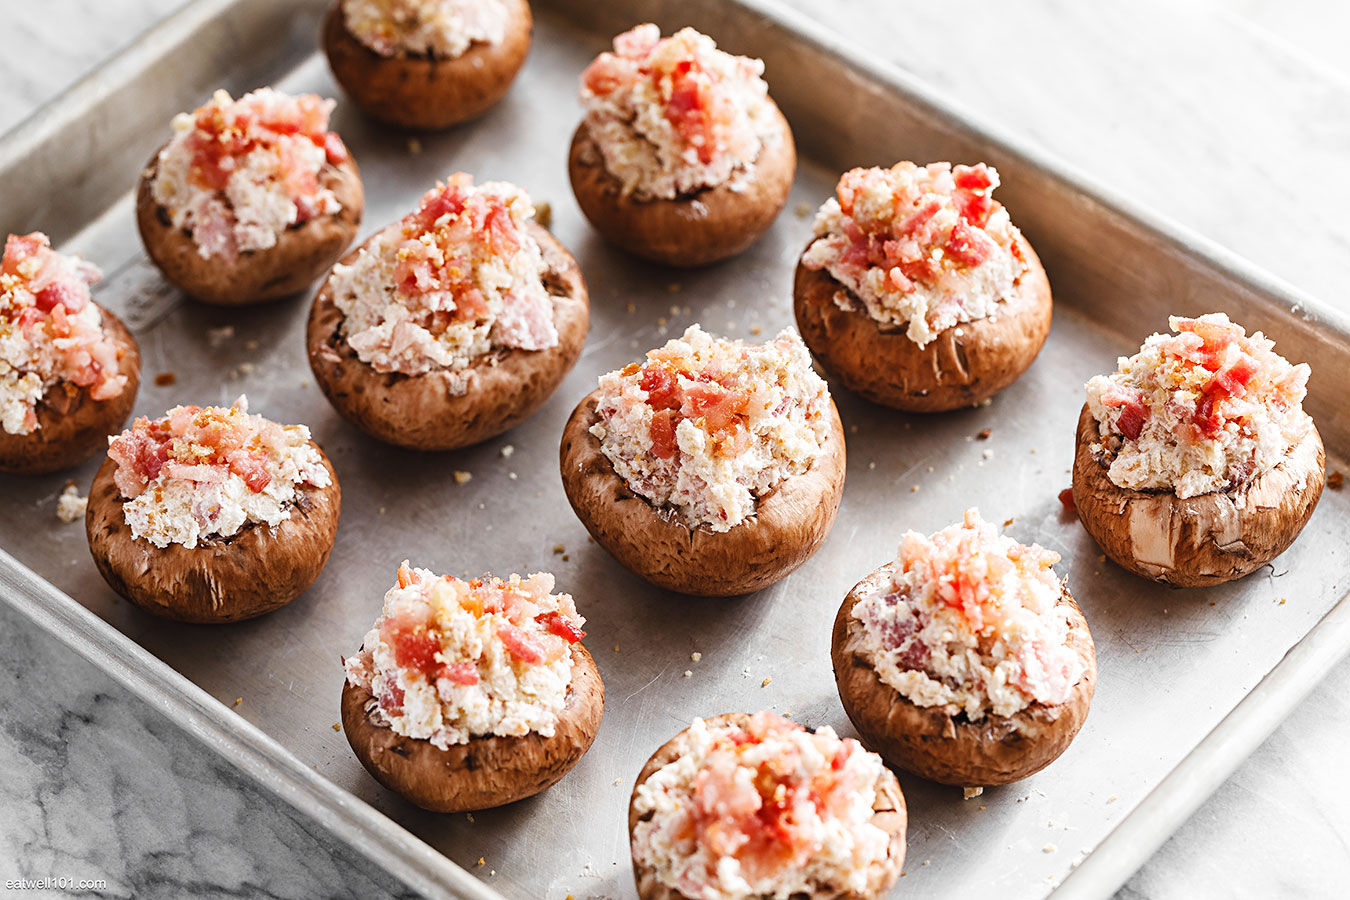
[70, 506]
[971, 793]
[695, 656]
[463, 477]
[508, 450]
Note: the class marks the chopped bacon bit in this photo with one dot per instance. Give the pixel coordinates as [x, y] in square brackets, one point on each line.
[563, 627]
[1135, 411]
[1066, 498]
[465, 673]
[984, 434]
[521, 645]
[1336, 480]
[165, 379]
[664, 443]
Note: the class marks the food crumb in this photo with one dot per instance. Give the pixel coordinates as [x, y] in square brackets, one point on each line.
[984, 434]
[70, 505]
[930, 468]
[414, 146]
[337, 726]
[558, 549]
[481, 861]
[1048, 848]
[543, 213]
[914, 489]
[512, 475]
[767, 681]
[1066, 499]
[688, 674]
[971, 793]
[242, 370]
[755, 329]
[674, 288]
[616, 648]
[251, 345]
[631, 307]
[872, 464]
[695, 656]
[508, 450]
[164, 379]
[802, 210]
[661, 321]
[1336, 480]
[462, 477]
[217, 336]
[1112, 799]
[927, 862]
[565, 557]
[381, 510]
[1007, 522]
[1281, 602]
[988, 454]
[238, 700]
[469, 816]
[853, 429]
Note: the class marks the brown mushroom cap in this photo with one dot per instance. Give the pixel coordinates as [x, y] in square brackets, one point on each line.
[223, 579]
[888, 813]
[950, 749]
[963, 365]
[71, 425]
[301, 254]
[789, 525]
[1204, 540]
[487, 771]
[690, 230]
[419, 411]
[423, 91]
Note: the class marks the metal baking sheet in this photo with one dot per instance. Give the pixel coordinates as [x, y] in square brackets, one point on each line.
[1190, 681]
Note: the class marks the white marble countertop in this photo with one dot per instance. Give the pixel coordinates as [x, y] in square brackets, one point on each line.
[1231, 117]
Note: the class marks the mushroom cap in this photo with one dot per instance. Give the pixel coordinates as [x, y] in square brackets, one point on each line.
[301, 254]
[423, 91]
[259, 569]
[487, 771]
[1204, 540]
[888, 813]
[790, 523]
[950, 749]
[421, 412]
[961, 366]
[689, 230]
[71, 425]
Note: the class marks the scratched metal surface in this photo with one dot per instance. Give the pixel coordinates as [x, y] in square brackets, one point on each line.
[1172, 663]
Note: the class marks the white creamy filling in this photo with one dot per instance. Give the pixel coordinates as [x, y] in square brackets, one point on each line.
[441, 28]
[177, 511]
[843, 846]
[706, 485]
[961, 294]
[21, 362]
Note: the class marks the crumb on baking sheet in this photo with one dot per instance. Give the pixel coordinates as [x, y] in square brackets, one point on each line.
[687, 674]
[512, 475]
[165, 379]
[970, 793]
[462, 477]
[469, 816]
[695, 656]
[481, 861]
[755, 329]
[1336, 480]
[238, 700]
[1112, 799]
[543, 213]
[242, 370]
[1049, 848]
[984, 434]
[70, 506]
[1007, 522]
[217, 336]
[251, 345]
[508, 450]
[559, 549]
[674, 288]
[1066, 500]
[768, 680]
[914, 489]
[337, 726]
[661, 321]
[802, 210]
[631, 307]
[988, 454]
[414, 146]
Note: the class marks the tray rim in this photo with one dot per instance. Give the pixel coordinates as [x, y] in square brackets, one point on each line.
[413, 862]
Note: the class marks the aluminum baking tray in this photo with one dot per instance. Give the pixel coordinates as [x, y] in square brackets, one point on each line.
[1190, 681]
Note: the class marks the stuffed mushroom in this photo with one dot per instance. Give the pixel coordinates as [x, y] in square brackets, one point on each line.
[682, 157]
[426, 64]
[965, 660]
[918, 292]
[472, 694]
[1195, 463]
[251, 200]
[212, 514]
[745, 807]
[453, 325]
[69, 369]
[714, 468]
